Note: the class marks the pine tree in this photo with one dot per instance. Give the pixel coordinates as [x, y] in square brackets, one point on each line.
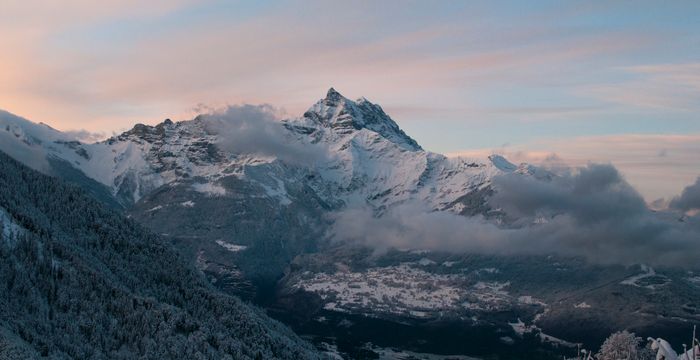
[621, 345]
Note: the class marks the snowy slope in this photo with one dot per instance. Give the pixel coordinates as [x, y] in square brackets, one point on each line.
[374, 162]
[33, 143]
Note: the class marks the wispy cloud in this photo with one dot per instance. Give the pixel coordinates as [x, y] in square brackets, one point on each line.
[689, 199]
[425, 57]
[671, 87]
[256, 129]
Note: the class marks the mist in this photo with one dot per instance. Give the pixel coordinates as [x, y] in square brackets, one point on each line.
[589, 212]
[85, 136]
[257, 129]
[689, 199]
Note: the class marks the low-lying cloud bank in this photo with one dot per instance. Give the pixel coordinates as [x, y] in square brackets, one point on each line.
[591, 212]
[256, 129]
[689, 200]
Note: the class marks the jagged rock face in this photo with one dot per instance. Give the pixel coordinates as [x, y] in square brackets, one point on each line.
[177, 147]
[152, 156]
[345, 117]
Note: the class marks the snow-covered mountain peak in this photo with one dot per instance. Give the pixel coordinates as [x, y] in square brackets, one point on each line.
[333, 96]
[345, 117]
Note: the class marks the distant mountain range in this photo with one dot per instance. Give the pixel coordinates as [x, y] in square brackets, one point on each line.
[356, 151]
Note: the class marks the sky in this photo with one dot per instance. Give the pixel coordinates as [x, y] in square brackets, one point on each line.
[609, 81]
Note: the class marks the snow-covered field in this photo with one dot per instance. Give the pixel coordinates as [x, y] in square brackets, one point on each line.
[407, 290]
[521, 329]
[647, 279]
[231, 247]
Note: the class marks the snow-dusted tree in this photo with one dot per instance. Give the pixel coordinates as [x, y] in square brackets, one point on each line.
[621, 345]
[79, 280]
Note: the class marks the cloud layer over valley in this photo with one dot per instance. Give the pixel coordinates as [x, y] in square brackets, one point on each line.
[590, 212]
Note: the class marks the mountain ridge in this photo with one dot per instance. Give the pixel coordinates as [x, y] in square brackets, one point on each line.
[358, 134]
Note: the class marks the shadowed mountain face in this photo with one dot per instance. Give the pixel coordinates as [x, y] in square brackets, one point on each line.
[81, 281]
[338, 215]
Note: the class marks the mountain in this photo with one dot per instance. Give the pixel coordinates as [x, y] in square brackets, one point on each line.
[81, 281]
[345, 117]
[369, 158]
[251, 202]
[161, 174]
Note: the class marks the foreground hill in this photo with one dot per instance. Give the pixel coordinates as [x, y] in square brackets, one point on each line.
[81, 281]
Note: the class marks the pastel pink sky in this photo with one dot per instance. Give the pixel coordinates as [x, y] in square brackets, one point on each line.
[585, 80]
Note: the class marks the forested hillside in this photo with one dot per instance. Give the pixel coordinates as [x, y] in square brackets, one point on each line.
[79, 280]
